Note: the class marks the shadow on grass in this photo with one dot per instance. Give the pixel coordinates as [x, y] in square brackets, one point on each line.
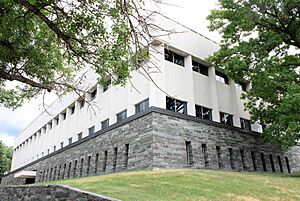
[295, 174]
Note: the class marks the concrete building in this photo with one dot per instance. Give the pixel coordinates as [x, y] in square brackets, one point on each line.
[178, 94]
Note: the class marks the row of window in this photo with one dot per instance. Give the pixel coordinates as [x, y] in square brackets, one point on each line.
[200, 68]
[220, 156]
[81, 168]
[204, 113]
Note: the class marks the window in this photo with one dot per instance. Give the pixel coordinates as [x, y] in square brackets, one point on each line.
[105, 123]
[279, 163]
[226, 118]
[263, 162]
[243, 157]
[75, 168]
[94, 94]
[91, 130]
[203, 112]
[126, 154]
[54, 148]
[231, 158]
[50, 125]
[142, 106]
[48, 151]
[189, 153]
[176, 105]
[64, 115]
[115, 158]
[287, 164]
[200, 68]
[221, 77]
[253, 160]
[245, 124]
[81, 103]
[88, 165]
[219, 155]
[272, 163]
[121, 116]
[104, 161]
[70, 140]
[62, 145]
[241, 86]
[79, 136]
[72, 109]
[205, 154]
[174, 58]
[96, 163]
[56, 120]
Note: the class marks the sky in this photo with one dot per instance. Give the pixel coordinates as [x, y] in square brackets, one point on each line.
[191, 13]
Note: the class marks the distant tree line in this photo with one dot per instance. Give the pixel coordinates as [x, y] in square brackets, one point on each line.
[5, 158]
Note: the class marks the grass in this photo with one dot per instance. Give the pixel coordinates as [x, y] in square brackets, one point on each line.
[191, 185]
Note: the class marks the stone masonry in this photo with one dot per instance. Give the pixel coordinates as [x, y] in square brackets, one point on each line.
[157, 138]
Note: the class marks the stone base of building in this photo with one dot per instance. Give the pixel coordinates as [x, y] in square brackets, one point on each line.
[158, 138]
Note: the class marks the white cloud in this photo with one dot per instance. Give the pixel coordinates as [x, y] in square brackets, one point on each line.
[7, 139]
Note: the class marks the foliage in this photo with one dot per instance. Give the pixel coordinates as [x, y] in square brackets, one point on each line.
[185, 184]
[261, 42]
[5, 158]
[44, 44]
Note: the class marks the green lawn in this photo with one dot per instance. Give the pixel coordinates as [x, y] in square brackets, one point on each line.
[191, 185]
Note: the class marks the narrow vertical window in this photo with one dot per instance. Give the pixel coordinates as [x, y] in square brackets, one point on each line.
[115, 158]
[79, 135]
[94, 94]
[70, 140]
[64, 171]
[69, 170]
[205, 155]
[218, 149]
[58, 175]
[287, 164]
[105, 124]
[253, 160]
[243, 159]
[81, 167]
[126, 156]
[91, 130]
[96, 163]
[263, 162]
[75, 169]
[104, 161]
[272, 162]
[280, 163]
[88, 165]
[50, 177]
[189, 153]
[54, 175]
[231, 158]
[245, 124]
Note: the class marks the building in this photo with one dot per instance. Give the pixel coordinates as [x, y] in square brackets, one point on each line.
[189, 114]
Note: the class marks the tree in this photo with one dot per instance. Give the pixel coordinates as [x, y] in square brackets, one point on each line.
[5, 158]
[261, 43]
[44, 44]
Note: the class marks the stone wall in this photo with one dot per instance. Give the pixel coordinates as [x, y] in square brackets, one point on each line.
[159, 138]
[48, 193]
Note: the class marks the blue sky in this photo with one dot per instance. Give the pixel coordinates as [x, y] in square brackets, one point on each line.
[191, 13]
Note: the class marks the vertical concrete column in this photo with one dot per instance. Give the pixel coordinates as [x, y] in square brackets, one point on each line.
[235, 102]
[156, 70]
[190, 86]
[214, 94]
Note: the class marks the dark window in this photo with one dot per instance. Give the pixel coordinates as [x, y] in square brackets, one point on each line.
[219, 155]
[200, 68]
[205, 154]
[280, 163]
[54, 148]
[79, 136]
[56, 120]
[174, 58]
[189, 153]
[226, 118]
[142, 106]
[88, 165]
[64, 115]
[176, 105]
[91, 130]
[203, 112]
[253, 160]
[221, 77]
[115, 158]
[64, 171]
[96, 163]
[121, 116]
[105, 124]
[58, 174]
[72, 109]
[243, 157]
[94, 94]
[272, 163]
[70, 140]
[126, 155]
[75, 169]
[81, 103]
[231, 158]
[62, 145]
[287, 164]
[263, 162]
[81, 167]
[241, 86]
[104, 161]
[245, 124]
[50, 126]
[48, 151]
[69, 170]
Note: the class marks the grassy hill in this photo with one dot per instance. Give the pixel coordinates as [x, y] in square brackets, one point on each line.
[191, 185]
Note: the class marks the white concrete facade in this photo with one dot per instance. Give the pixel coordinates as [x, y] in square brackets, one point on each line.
[44, 135]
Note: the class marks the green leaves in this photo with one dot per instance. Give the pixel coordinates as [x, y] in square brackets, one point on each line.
[261, 43]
